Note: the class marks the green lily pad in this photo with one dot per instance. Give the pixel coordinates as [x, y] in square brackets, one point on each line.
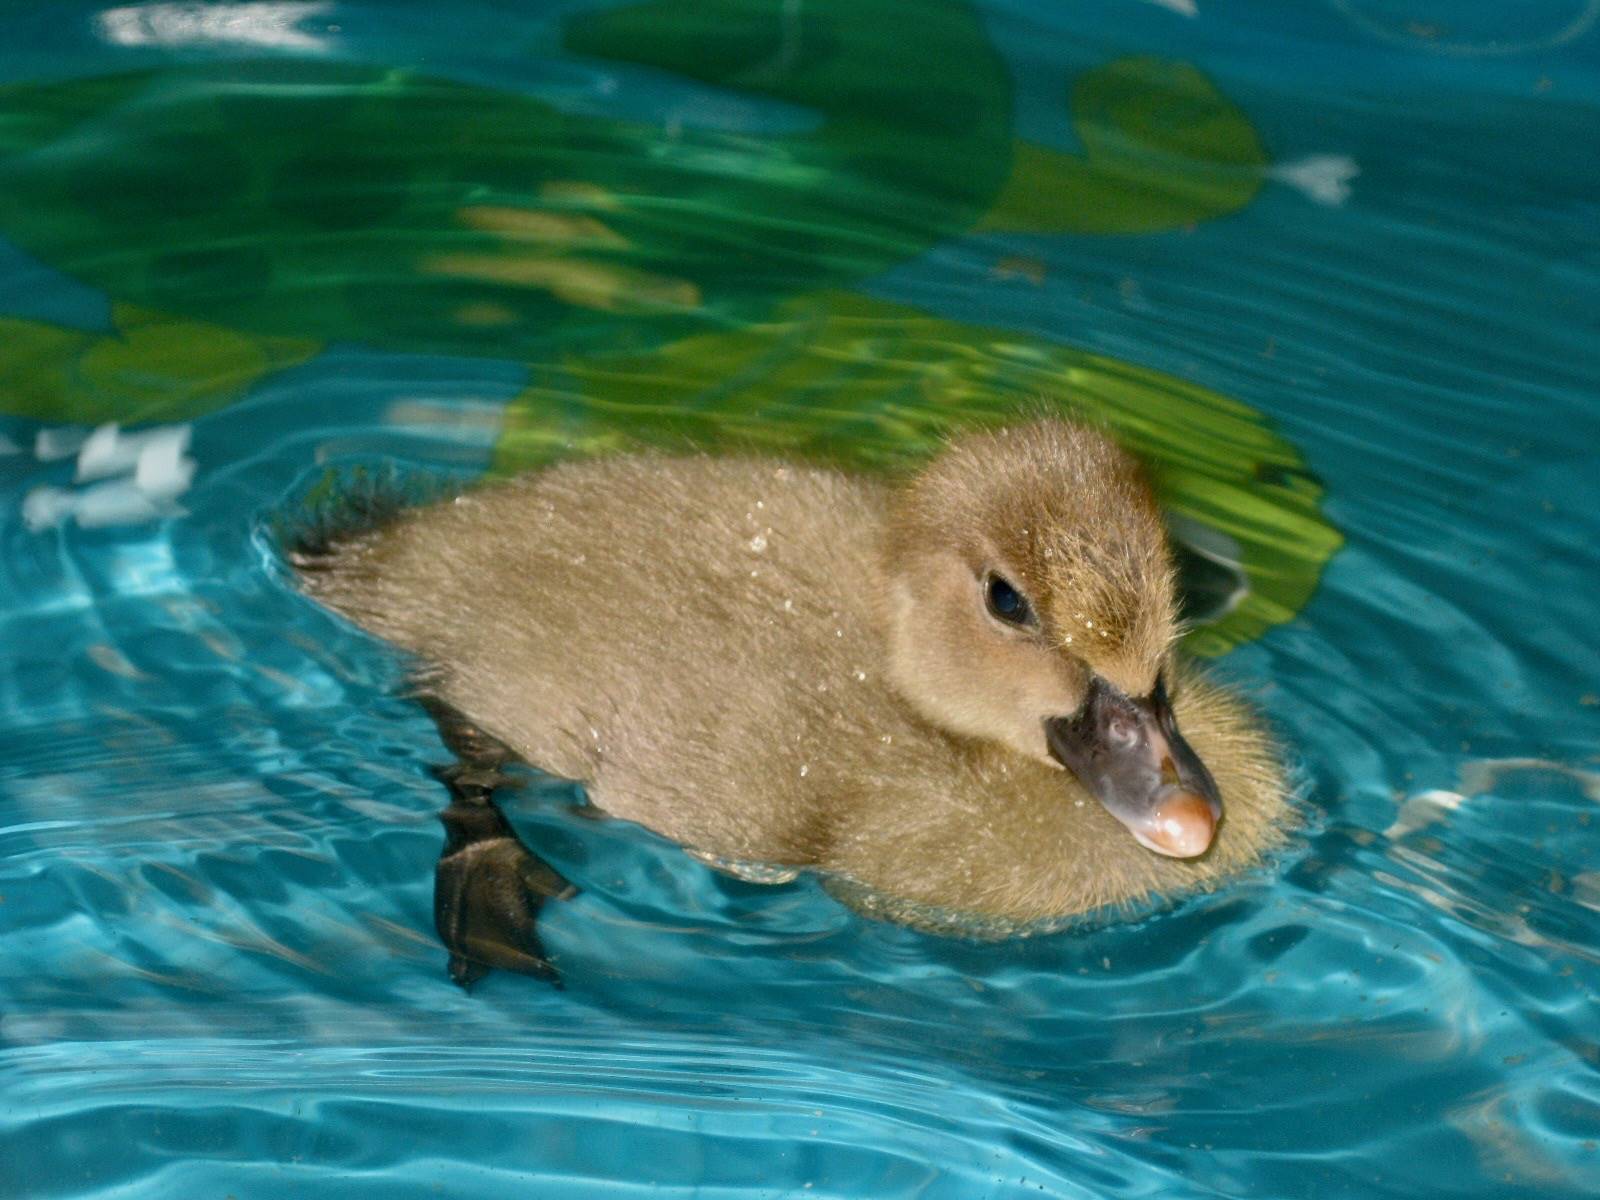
[155, 367]
[840, 378]
[1162, 148]
[339, 201]
[310, 198]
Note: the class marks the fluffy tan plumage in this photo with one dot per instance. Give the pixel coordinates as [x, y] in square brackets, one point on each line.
[773, 663]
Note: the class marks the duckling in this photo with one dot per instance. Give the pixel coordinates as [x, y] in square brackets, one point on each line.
[954, 694]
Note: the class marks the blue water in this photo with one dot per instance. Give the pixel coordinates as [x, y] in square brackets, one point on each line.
[217, 822]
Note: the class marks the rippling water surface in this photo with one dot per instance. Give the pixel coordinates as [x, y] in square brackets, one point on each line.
[1334, 268]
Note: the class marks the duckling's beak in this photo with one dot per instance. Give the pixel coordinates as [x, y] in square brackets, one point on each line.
[1129, 754]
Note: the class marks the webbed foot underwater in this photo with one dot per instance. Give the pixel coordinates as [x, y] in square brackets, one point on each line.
[958, 692]
[488, 886]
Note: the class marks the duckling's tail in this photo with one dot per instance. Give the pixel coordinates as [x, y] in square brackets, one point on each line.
[342, 506]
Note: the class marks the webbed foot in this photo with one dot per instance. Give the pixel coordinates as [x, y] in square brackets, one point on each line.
[488, 886]
[488, 889]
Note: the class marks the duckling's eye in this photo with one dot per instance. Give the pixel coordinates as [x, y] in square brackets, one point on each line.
[1006, 603]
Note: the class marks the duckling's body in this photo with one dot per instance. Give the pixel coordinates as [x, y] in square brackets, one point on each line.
[711, 647]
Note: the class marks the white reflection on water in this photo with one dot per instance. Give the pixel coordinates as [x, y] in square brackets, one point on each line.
[273, 25]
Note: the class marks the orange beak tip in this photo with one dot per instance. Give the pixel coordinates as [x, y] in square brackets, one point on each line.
[1182, 827]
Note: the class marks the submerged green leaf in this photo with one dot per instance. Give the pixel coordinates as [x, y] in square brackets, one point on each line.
[155, 367]
[868, 384]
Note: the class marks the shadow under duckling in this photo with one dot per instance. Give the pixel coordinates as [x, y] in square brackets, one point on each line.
[957, 694]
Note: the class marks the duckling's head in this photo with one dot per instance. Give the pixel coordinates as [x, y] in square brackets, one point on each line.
[1031, 601]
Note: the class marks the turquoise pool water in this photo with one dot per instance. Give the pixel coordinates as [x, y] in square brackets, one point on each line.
[1334, 268]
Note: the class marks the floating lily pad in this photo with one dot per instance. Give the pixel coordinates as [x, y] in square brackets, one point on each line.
[1162, 148]
[869, 384]
[154, 367]
[310, 198]
[345, 202]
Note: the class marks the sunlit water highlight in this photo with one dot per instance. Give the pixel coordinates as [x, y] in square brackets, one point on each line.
[217, 823]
